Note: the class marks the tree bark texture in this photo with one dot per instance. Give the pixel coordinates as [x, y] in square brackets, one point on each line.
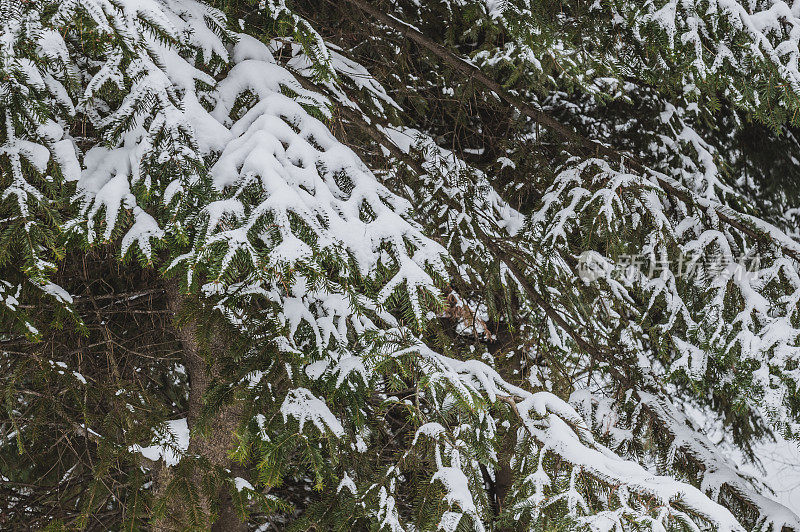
[200, 361]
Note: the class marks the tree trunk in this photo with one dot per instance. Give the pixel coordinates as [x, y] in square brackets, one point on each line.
[202, 367]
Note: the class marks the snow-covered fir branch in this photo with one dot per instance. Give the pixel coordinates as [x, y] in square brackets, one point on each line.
[398, 265]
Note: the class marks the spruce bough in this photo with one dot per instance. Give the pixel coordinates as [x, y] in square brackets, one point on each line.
[373, 265]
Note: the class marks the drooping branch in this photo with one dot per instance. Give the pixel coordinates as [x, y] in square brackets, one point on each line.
[516, 262]
[755, 229]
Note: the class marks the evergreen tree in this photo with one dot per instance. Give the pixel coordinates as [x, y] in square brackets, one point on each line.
[396, 265]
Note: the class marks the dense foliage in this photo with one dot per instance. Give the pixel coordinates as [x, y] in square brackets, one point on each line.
[397, 265]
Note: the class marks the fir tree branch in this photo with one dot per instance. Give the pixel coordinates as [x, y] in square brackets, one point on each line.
[588, 147]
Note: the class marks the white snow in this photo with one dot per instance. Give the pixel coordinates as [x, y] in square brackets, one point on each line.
[170, 445]
[302, 405]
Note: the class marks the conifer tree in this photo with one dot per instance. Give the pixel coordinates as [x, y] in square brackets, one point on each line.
[396, 265]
